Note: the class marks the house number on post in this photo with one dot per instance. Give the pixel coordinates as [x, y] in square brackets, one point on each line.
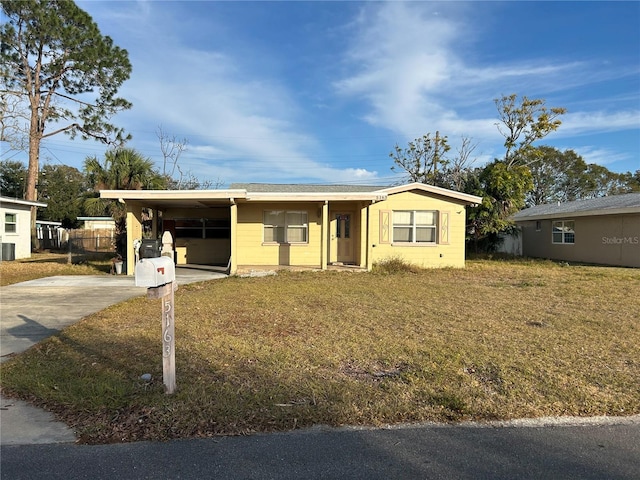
[168, 333]
[168, 344]
[168, 339]
[158, 275]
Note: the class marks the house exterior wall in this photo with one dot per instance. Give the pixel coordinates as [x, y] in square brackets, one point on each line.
[600, 239]
[371, 238]
[249, 240]
[99, 225]
[22, 236]
[444, 253]
[205, 251]
[134, 231]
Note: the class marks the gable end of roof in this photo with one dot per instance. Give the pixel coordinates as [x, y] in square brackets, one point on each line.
[445, 192]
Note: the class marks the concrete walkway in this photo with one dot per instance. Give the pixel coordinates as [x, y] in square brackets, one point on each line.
[34, 310]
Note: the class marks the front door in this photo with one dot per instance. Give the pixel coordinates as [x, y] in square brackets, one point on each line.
[344, 237]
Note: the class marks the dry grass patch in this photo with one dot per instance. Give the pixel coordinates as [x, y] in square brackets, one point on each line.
[496, 340]
[42, 265]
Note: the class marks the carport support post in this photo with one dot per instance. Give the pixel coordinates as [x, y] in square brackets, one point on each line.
[168, 333]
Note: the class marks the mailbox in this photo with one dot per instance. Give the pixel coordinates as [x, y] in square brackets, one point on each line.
[154, 272]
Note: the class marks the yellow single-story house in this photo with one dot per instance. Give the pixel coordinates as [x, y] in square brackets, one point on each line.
[314, 226]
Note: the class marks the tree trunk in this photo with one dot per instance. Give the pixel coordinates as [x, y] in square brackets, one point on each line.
[31, 193]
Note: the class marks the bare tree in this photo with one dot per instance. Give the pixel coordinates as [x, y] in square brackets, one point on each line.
[459, 167]
[172, 148]
[14, 122]
[422, 158]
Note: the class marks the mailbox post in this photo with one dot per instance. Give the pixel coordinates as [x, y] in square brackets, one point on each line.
[158, 275]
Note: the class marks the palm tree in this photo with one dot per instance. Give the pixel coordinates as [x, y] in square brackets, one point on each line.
[123, 169]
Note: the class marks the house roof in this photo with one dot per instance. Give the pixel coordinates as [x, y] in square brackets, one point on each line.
[17, 201]
[255, 192]
[612, 205]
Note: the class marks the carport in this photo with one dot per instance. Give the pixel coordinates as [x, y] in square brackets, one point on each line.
[205, 225]
[200, 221]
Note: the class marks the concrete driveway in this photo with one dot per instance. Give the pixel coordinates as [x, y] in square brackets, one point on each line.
[34, 310]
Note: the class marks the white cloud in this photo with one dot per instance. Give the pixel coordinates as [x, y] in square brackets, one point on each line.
[580, 123]
[408, 70]
[400, 57]
[600, 156]
[239, 121]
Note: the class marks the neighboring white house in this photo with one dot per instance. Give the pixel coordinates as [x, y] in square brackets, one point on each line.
[15, 227]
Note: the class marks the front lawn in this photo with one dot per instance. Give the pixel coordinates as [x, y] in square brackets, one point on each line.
[52, 264]
[497, 340]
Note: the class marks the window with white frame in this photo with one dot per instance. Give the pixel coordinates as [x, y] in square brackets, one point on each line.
[281, 226]
[10, 223]
[563, 231]
[414, 226]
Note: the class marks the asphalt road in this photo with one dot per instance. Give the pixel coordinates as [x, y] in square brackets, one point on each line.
[602, 451]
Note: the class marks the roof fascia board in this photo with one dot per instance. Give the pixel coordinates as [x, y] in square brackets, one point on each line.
[49, 222]
[585, 213]
[172, 194]
[17, 201]
[445, 192]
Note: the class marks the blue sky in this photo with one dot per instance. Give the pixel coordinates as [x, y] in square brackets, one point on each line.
[320, 92]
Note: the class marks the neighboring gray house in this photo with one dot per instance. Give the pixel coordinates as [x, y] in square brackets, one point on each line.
[15, 227]
[602, 230]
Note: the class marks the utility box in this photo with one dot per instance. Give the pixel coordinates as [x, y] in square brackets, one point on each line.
[155, 272]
